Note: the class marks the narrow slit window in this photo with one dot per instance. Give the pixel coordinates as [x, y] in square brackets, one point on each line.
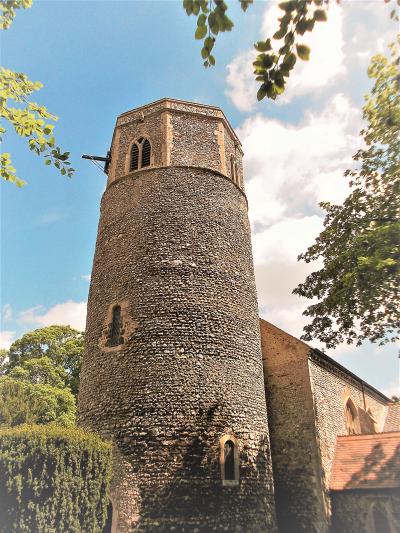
[134, 157]
[236, 174]
[115, 337]
[233, 177]
[229, 461]
[229, 465]
[146, 153]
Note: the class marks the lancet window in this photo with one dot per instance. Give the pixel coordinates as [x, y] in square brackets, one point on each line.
[229, 461]
[115, 335]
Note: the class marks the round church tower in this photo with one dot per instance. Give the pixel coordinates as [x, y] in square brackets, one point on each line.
[172, 371]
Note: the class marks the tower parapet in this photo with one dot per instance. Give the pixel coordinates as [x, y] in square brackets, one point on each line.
[172, 370]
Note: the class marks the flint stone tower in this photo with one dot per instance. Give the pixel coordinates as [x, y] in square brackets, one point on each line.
[172, 371]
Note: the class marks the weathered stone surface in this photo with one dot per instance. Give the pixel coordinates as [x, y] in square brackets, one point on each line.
[174, 246]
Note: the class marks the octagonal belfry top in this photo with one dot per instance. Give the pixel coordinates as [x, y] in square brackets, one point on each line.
[179, 133]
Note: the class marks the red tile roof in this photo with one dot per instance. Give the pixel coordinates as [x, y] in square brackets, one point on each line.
[366, 462]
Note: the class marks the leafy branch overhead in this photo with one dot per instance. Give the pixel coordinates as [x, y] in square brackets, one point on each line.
[358, 288]
[271, 68]
[28, 119]
[278, 53]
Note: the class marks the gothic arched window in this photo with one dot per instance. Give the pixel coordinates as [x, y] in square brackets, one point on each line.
[229, 461]
[140, 155]
[115, 336]
[352, 424]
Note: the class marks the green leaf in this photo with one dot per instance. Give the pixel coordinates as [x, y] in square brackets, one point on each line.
[262, 92]
[280, 34]
[211, 59]
[287, 6]
[201, 21]
[204, 52]
[263, 46]
[320, 15]
[290, 60]
[209, 43]
[201, 32]
[196, 7]
[302, 26]
[303, 51]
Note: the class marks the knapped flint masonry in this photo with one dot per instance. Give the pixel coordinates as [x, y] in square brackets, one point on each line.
[172, 371]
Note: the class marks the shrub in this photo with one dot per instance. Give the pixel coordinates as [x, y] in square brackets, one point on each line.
[53, 480]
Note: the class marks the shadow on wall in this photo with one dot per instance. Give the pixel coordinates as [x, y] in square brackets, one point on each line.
[193, 499]
[377, 470]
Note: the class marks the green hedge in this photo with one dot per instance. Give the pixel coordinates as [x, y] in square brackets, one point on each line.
[53, 480]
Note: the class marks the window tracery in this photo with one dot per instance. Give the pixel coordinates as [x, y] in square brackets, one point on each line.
[140, 155]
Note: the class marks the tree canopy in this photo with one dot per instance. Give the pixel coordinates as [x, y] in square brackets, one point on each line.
[39, 377]
[358, 287]
[59, 346]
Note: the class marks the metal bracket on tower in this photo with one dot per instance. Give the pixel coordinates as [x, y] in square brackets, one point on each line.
[94, 158]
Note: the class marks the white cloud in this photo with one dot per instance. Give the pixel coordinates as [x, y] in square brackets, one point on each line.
[325, 65]
[49, 217]
[242, 87]
[290, 168]
[67, 313]
[86, 277]
[6, 339]
[7, 312]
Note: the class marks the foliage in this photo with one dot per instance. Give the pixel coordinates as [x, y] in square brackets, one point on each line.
[28, 119]
[53, 480]
[23, 402]
[8, 8]
[273, 64]
[40, 371]
[61, 345]
[358, 286]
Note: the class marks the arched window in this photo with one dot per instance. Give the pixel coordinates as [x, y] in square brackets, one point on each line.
[380, 519]
[115, 337]
[233, 174]
[352, 423]
[229, 461]
[146, 153]
[140, 154]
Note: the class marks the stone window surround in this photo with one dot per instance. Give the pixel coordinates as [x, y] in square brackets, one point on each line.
[127, 165]
[387, 507]
[352, 406]
[222, 441]
[127, 323]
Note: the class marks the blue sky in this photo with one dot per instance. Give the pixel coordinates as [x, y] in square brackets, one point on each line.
[99, 59]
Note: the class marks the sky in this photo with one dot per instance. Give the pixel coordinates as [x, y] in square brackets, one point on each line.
[99, 59]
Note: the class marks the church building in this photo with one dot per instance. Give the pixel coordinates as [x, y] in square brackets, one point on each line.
[219, 420]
